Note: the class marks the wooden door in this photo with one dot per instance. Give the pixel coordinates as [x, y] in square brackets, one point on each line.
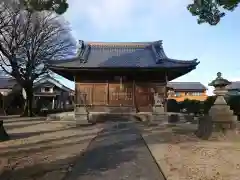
[143, 98]
[99, 94]
[120, 96]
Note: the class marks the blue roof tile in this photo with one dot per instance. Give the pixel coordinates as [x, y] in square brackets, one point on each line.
[128, 55]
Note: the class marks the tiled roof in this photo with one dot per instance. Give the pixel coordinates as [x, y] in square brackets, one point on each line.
[234, 86]
[186, 86]
[129, 54]
[53, 81]
[7, 83]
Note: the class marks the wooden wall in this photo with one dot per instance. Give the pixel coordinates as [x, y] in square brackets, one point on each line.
[135, 94]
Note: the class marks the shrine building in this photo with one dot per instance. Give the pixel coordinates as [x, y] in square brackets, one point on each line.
[117, 77]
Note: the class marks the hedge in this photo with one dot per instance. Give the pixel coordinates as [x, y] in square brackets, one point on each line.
[197, 107]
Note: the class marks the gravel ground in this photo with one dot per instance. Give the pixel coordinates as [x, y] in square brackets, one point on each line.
[118, 153]
[182, 156]
[41, 150]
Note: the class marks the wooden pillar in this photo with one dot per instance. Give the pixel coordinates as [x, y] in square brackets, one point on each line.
[165, 92]
[76, 91]
[133, 94]
[53, 102]
[92, 95]
[107, 92]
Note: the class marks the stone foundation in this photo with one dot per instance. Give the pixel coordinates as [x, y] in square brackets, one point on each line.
[84, 115]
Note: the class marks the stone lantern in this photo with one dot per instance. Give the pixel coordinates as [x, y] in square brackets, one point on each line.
[220, 118]
[221, 114]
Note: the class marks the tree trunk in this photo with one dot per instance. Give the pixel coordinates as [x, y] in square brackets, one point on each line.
[28, 108]
[3, 134]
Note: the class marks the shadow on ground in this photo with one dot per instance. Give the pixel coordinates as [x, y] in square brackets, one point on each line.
[105, 153]
[43, 158]
[14, 136]
[15, 126]
[113, 157]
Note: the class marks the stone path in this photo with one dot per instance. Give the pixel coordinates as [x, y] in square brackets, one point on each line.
[118, 153]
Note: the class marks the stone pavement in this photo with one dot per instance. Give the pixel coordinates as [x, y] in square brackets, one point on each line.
[117, 153]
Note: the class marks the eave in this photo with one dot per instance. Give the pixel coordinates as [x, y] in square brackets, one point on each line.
[171, 73]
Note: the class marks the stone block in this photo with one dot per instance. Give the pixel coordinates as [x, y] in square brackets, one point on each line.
[173, 118]
[81, 116]
[144, 117]
[189, 118]
[205, 127]
[158, 117]
[158, 109]
[64, 116]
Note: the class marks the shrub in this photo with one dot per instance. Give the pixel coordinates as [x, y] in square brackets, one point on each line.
[208, 104]
[172, 105]
[234, 103]
[191, 106]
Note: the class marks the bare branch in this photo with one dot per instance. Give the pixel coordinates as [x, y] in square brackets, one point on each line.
[30, 39]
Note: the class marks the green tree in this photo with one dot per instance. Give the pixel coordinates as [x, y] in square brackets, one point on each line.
[211, 11]
[58, 6]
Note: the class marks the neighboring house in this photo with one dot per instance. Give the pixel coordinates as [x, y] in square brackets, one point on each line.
[6, 85]
[187, 90]
[8, 100]
[51, 92]
[234, 88]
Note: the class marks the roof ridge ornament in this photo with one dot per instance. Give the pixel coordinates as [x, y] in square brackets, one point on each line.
[83, 51]
[159, 42]
[80, 46]
[158, 51]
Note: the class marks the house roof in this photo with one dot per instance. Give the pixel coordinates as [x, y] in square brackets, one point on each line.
[123, 55]
[186, 86]
[52, 81]
[234, 86]
[7, 83]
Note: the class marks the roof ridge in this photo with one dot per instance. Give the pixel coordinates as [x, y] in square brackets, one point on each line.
[119, 44]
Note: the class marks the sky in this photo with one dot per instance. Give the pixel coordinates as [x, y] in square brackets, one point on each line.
[216, 47]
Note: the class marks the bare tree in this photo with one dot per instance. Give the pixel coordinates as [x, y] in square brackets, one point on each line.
[28, 40]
